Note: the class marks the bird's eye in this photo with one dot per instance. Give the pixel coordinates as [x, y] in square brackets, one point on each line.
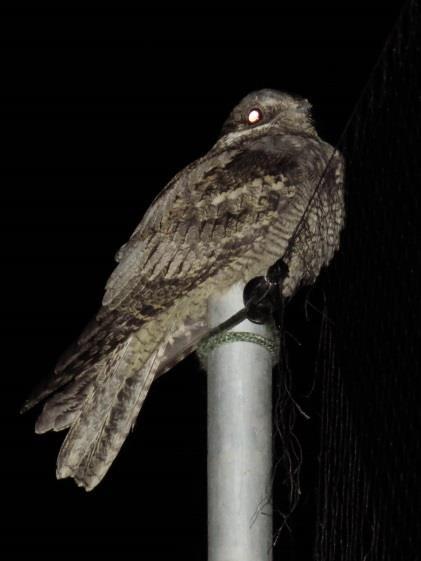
[254, 116]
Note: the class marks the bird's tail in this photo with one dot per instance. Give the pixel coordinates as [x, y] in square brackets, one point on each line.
[109, 409]
[100, 403]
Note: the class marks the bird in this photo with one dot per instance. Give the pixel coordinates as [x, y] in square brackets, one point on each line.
[268, 188]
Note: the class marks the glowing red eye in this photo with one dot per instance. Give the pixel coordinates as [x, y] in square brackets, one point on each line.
[254, 116]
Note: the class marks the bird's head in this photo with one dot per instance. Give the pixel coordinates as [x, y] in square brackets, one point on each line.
[269, 110]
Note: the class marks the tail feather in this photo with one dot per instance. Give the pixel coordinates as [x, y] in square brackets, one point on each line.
[63, 408]
[47, 387]
[101, 401]
[113, 402]
[116, 426]
[82, 356]
[101, 396]
[97, 340]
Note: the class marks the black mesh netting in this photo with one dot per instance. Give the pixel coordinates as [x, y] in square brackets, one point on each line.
[367, 377]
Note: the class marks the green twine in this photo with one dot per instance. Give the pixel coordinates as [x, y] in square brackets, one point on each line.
[210, 343]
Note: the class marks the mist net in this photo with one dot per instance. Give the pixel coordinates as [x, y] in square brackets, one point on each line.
[363, 334]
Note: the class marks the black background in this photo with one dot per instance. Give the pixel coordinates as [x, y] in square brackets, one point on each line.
[97, 114]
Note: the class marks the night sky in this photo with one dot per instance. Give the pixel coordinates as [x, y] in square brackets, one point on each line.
[97, 115]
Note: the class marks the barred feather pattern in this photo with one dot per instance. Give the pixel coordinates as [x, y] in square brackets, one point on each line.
[225, 218]
[62, 409]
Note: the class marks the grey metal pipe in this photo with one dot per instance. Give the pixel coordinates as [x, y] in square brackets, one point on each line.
[239, 440]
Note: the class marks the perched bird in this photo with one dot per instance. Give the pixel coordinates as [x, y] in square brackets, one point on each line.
[269, 187]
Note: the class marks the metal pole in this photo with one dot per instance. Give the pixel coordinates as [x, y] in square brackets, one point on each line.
[239, 440]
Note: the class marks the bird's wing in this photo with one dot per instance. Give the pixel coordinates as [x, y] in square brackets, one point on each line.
[205, 222]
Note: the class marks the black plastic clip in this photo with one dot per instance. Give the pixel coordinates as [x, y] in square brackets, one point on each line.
[262, 296]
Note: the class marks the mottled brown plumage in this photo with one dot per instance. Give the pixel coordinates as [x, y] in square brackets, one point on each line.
[224, 218]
